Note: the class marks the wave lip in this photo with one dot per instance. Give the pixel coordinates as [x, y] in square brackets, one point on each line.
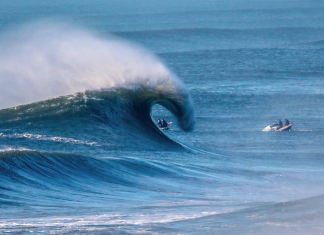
[176, 98]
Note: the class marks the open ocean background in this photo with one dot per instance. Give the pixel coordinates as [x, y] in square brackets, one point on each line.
[79, 149]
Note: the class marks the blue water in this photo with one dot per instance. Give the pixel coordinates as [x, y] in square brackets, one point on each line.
[82, 84]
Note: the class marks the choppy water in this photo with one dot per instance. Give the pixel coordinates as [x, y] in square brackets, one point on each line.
[79, 148]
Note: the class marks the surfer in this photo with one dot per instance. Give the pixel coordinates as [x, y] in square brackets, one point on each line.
[279, 127]
[160, 123]
[286, 122]
[279, 124]
[164, 123]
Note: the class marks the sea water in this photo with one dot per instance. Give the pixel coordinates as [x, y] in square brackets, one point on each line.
[82, 84]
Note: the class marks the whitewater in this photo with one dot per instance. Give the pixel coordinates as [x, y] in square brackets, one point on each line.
[83, 84]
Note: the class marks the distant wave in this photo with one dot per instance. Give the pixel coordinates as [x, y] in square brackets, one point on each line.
[214, 30]
[321, 42]
[185, 39]
[316, 44]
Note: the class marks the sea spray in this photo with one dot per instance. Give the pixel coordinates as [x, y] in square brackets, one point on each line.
[48, 59]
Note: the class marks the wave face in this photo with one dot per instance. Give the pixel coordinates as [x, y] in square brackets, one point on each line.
[115, 119]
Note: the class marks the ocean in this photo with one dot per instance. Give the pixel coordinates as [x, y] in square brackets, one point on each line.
[83, 83]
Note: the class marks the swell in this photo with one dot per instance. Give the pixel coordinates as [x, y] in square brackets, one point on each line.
[48, 170]
[57, 179]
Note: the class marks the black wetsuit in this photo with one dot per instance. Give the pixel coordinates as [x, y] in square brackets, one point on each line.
[164, 123]
[279, 124]
[286, 122]
[160, 124]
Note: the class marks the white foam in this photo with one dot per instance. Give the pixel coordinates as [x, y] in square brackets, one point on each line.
[47, 138]
[104, 219]
[8, 149]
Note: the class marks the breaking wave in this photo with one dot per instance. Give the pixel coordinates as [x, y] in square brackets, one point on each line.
[45, 60]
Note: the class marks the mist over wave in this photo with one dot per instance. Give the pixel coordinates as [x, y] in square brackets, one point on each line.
[48, 59]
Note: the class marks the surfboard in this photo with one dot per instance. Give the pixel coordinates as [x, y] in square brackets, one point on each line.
[285, 128]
